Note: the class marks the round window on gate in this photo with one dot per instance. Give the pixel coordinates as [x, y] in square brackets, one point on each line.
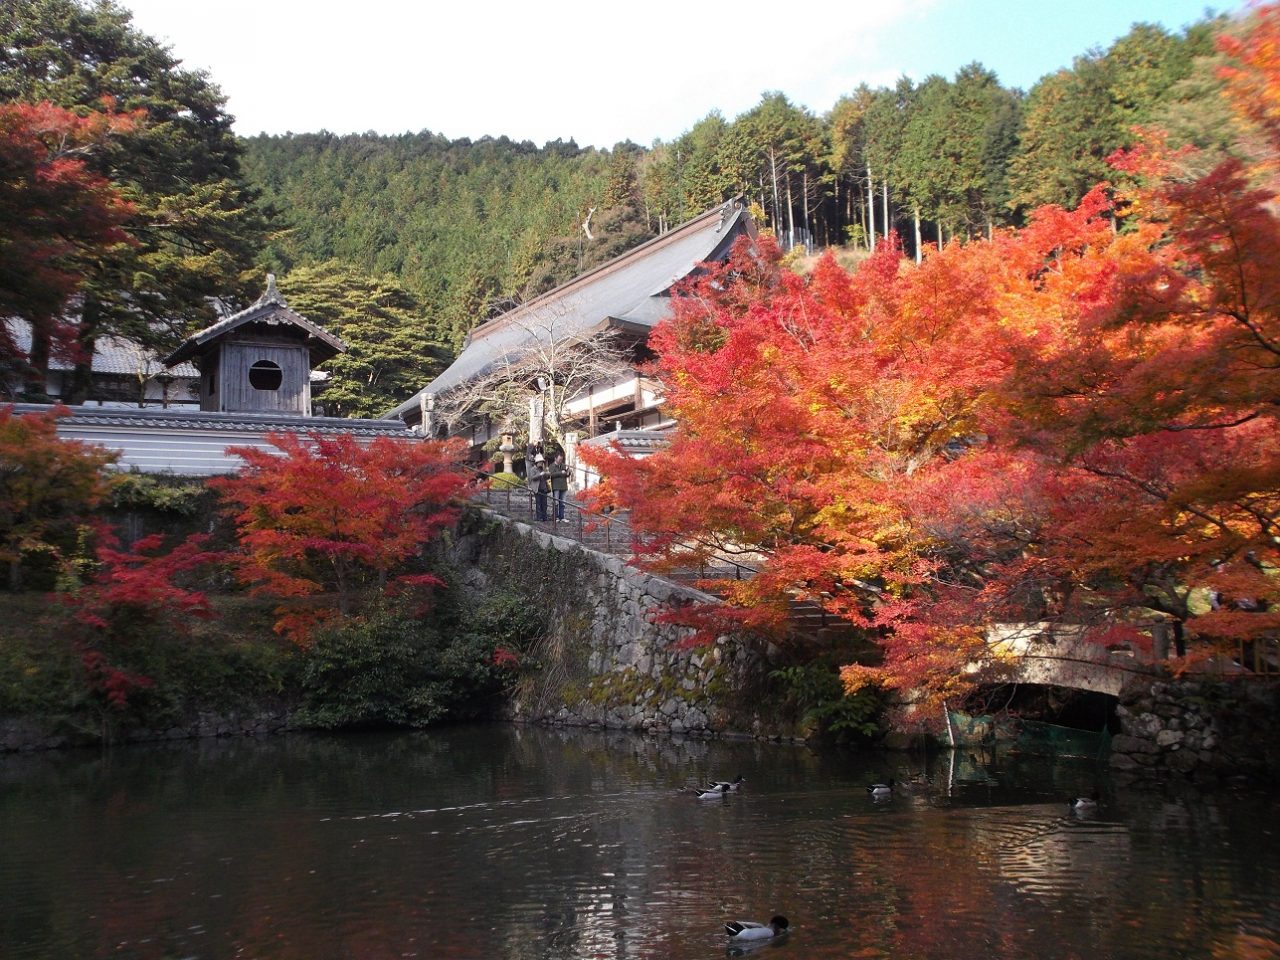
[265, 375]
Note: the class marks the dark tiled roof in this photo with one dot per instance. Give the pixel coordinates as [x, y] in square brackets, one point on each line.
[269, 308]
[633, 288]
[630, 441]
[111, 355]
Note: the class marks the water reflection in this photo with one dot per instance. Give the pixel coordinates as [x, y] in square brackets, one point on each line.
[523, 842]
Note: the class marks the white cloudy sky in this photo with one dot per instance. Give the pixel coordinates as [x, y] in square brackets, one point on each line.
[600, 71]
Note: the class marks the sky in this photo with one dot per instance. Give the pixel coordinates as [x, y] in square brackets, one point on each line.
[599, 71]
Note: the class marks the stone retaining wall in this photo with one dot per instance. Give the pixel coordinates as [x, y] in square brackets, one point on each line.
[605, 662]
[1199, 728]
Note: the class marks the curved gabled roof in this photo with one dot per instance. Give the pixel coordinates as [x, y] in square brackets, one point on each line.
[632, 289]
[269, 308]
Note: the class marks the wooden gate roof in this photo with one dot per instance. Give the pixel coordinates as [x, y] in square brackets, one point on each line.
[270, 308]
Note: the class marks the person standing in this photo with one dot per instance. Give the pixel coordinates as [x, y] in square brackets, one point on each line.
[558, 475]
[538, 482]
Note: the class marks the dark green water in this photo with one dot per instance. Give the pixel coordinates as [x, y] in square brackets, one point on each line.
[513, 842]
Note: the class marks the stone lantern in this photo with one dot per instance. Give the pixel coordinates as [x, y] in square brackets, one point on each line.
[507, 448]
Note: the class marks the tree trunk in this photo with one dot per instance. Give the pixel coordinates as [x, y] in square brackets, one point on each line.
[837, 211]
[791, 218]
[862, 216]
[340, 586]
[81, 384]
[884, 208]
[804, 202]
[37, 374]
[773, 174]
[919, 241]
[871, 211]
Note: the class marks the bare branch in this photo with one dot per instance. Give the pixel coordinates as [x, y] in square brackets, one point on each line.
[549, 360]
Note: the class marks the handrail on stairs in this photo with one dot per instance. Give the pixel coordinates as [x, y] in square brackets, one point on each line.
[580, 520]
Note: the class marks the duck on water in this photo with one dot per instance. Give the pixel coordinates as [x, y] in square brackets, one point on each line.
[743, 931]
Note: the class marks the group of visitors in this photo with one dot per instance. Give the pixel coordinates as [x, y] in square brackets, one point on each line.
[543, 479]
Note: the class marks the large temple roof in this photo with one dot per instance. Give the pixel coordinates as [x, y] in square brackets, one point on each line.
[631, 291]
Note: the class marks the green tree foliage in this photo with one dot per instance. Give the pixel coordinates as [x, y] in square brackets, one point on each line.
[691, 174]
[928, 160]
[886, 122]
[1076, 118]
[983, 141]
[395, 667]
[847, 132]
[777, 146]
[391, 351]
[956, 144]
[1193, 111]
[194, 227]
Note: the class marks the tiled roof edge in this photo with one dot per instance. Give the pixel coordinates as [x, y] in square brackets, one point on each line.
[205, 420]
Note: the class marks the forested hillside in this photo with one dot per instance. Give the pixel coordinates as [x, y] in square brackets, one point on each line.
[470, 228]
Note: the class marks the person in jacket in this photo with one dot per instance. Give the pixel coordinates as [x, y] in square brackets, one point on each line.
[558, 476]
[538, 482]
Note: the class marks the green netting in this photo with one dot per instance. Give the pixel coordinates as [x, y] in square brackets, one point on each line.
[1028, 736]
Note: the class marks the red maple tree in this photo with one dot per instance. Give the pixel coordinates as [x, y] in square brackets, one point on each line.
[1065, 423]
[323, 520]
[56, 213]
[134, 589]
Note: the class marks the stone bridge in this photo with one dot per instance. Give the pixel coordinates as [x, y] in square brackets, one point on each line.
[1055, 654]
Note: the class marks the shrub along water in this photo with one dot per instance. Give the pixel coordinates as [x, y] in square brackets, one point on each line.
[392, 667]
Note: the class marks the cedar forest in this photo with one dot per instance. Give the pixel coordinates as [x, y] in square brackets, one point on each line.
[1034, 376]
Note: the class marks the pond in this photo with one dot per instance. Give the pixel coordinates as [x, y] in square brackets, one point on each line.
[503, 841]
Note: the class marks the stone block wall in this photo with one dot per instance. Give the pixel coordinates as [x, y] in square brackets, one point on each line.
[1198, 728]
[605, 662]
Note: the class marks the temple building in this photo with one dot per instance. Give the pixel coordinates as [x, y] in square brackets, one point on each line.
[258, 360]
[251, 374]
[625, 297]
[123, 374]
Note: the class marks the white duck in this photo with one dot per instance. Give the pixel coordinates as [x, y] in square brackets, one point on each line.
[880, 791]
[1084, 804]
[741, 931]
[730, 786]
[713, 792]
